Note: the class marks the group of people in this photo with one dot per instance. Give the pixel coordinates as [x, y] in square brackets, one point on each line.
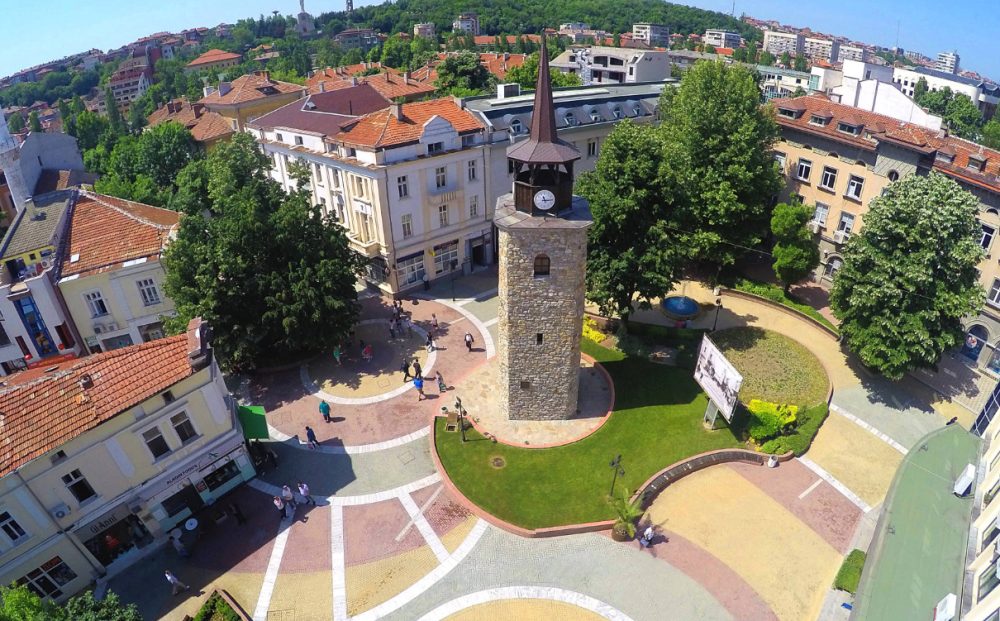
[418, 379]
[286, 502]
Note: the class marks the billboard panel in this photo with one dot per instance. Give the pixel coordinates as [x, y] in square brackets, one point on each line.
[718, 378]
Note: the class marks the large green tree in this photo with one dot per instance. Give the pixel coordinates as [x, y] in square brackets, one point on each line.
[15, 123]
[527, 74]
[910, 277]
[462, 74]
[958, 111]
[18, 603]
[634, 250]
[271, 274]
[719, 154]
[795, 252]
[397, 52]
[34, 123]
[144, 168]
[991, 134]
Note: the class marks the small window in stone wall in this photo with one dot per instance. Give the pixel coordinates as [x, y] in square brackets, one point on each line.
[538, 338]
[525, 385]
[542, 265]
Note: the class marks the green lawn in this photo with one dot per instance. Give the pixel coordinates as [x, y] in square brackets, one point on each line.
[656, 422]
[774, 367]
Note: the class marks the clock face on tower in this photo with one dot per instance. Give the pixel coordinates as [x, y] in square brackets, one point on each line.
[544, 200]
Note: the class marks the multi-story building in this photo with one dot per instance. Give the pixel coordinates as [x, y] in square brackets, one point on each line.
[613, 65]
[111, 277]
[466, 22]
[653, 35]
[821, 48]
[779, 82]
[391, 84]
[837, 158]
[869, 87]
[947, 62]
[207, 128]
[778, 43]
[130, 82]
[852, 52]
[145, 438]
[249, 96]
[722, 38]
[213, 59]
[984, 94]
[25, 167]
[362, 39]
[427, 30]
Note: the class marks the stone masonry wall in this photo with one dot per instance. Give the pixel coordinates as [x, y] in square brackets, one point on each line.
[551, 306]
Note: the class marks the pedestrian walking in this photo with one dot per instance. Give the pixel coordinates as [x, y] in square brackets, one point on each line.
[304, 492]
[416, 368]
[235, 510]
[469, 341]
[408, 325]
[434, 324]
[179, 547]
[176, 585]
[405, 368]
[287, 495]
[369, 353]
[442, 387]
[337, 353]
[324, 409]
[427, 282]
[311, 437]
[280, 506]
[430, 343]
[418, 383]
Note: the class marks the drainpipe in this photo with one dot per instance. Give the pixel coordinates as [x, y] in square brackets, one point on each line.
[391, 259]
[76, 544]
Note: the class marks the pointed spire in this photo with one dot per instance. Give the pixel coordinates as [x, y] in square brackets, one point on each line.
[543, 145]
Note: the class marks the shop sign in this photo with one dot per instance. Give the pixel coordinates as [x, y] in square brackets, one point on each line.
[101, 524]
[182, 473]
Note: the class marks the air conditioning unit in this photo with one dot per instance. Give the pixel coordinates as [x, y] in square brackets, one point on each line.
[98, 328]
[815, 227]
[841, 236]
[59, 511]
[46, 264]
[110, 326]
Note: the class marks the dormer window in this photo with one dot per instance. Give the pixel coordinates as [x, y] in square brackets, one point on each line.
[944, 156]
[298, 140]
[435, 147]
[976, 163]
[847, 128]
[516, 127]
[570, 118]
[817, 120]
[595, 117]
[617, 112]
[279, 137]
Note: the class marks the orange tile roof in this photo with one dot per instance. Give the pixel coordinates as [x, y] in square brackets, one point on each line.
[492, 39]
[203, 124]
[213, 56]
[498, 64]
[389, 83]
[41, 412]
[877, 127]
[105, 231]
[382, 130]
[251, 87]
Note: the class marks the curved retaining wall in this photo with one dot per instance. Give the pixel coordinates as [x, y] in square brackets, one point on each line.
[736, 293]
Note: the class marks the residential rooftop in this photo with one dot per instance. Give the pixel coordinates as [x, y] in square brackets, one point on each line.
[250, 87]
[37, 225]
[382, 129]
[324, 113]
[213, 56]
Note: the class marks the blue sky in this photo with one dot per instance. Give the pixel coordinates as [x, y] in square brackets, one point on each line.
[70, 26]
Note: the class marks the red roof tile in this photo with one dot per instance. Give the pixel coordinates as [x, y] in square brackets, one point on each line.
[213, 56]
[381, 129]
[389, 83]
[251, 87]
[39, 413]
[105, 232]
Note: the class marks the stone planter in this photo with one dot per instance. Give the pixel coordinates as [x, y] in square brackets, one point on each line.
[620, 533]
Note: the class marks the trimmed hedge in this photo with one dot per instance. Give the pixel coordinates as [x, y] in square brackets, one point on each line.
[799, 440]
[777, 294]
[767, 419]
[850, 572]
[216, 609]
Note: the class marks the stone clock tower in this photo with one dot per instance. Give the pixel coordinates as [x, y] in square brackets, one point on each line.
[543, 259]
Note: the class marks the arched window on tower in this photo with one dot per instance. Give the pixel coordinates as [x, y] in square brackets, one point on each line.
[541, 265]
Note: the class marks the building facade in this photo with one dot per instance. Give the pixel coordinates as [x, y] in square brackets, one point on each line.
[949, 62]
[722, 38]
[362, 39]
[821, 49]
[653, 35]
[249, 96]
[427, 30]
[778, 43]
[985, 95]
[613, 65]
[146, 437]
[852, 52]
[130, 82]
[213, 60]
[466, 22]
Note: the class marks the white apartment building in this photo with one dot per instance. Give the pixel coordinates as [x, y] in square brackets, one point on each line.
[852, 52]
[947, 62]
[613, 65]
[653, 35]
[407, 182]
[821, 48]
[466, 22]
[721, 38]
[984, 94]
[778, 43]
[427, 30]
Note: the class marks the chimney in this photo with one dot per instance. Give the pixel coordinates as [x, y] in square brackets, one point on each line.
[266, 75]
[354, 80]
[406, 77]
[396, 110]
[199, 109]
[322, 86]
[198, 336]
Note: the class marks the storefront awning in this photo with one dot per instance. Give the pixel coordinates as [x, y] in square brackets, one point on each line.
[253, 421]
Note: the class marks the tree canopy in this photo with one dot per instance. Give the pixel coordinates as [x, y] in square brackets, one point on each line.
[18, 603]
[527, 75]
[795, 250]
[719, 153]
[958, 111]
[267, 270]
[910, 276]
[462, 75]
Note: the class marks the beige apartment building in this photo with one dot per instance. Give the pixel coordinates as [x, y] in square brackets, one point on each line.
[108, 453]
[837, 158]
[778, 43]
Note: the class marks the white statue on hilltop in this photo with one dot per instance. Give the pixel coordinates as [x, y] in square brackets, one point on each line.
[302, 6]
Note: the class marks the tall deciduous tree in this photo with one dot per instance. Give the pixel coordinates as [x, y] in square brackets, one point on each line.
[270, 273]
[527, 74]
[144, 168]
[15, 123]
[909, 277]
[920, 89]
[34, 123]
[718, 144]
[991, 134]
[795, 251]
[634, 253]
[462, 74]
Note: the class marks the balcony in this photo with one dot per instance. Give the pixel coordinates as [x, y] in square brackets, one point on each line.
[367, 248]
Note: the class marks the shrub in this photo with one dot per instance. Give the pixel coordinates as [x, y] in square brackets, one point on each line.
[767, 420]
[799, 439]
[216, 609]
[627, 511]
[850, 572]
[590, 330]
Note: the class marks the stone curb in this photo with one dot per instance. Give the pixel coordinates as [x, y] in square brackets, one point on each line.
[781, 308]
[607, 415]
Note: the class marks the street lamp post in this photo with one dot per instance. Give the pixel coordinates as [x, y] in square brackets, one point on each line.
[718, 307]
[616, 466]
[461, 416]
